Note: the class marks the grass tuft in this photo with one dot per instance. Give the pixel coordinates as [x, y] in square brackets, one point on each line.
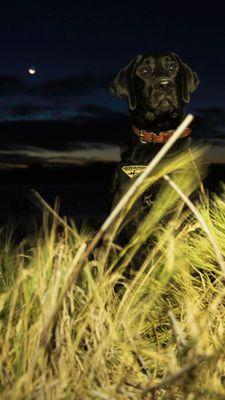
[66, 333]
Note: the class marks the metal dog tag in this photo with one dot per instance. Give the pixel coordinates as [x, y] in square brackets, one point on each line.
[133, 170]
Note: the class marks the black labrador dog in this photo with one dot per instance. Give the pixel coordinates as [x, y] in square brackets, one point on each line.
[156, 88]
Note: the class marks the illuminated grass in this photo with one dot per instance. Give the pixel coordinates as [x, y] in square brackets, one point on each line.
[159, 336]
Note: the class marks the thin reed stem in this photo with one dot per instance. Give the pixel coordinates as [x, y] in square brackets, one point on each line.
[200, 219]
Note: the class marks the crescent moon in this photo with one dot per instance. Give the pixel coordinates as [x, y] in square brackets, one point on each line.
[32, 71]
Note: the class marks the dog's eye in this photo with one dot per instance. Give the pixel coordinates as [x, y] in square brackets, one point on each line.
[144, 71]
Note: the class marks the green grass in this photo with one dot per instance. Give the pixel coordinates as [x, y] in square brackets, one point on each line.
[160, 336]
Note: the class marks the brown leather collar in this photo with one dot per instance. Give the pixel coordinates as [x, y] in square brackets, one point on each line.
[161, 137]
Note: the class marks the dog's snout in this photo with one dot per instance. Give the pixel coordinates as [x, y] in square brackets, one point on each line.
[163, 83]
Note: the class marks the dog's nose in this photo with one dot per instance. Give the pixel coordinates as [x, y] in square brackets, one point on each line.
[163, 83]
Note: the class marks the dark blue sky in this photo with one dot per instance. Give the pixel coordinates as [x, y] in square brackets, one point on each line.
[96, 37]
[74, 38]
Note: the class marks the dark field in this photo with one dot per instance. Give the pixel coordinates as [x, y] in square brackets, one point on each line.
[75, 161]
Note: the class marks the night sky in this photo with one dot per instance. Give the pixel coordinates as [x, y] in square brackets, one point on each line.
[95, 37]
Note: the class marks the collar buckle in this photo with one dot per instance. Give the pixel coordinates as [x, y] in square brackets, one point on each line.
[141, 135]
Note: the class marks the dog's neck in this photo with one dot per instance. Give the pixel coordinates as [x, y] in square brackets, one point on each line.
[158, 125]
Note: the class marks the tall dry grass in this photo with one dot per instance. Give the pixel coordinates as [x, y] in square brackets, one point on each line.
[160, 335]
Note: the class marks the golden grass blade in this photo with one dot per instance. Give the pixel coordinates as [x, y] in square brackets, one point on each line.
[67, 284]
[177, 375]
[37, 199]
[200, 219]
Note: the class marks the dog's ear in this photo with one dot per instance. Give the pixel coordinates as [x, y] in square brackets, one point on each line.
[189, 79]
[122, 85]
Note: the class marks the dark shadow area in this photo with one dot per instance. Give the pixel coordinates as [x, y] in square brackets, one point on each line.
[75, 161]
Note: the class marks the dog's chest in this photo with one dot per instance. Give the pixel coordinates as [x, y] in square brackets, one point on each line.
[134, 159]
[133, 162]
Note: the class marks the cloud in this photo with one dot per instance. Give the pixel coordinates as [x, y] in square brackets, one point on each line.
[210, 122]
[94, 110]
[11, 85]
[72, 86]
[68, 86]
[74, 154]
[26, 110]
[23, 111]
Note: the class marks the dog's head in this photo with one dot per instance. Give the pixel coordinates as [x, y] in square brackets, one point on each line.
[155, 85]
